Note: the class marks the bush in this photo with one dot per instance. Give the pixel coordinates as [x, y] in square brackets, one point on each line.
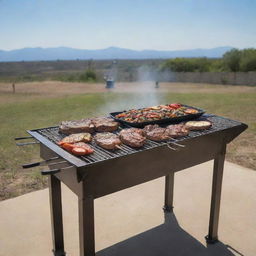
[88, 76]
[187, 65]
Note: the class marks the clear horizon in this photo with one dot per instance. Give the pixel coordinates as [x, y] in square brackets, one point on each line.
[118, 47]
[137, 25]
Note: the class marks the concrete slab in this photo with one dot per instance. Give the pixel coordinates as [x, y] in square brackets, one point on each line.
[131, 222]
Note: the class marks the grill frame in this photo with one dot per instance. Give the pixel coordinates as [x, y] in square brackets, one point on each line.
[94, 180]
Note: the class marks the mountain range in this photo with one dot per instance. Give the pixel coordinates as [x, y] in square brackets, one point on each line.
[66, 53]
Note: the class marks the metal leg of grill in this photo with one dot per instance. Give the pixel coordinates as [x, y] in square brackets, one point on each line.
[56, 216]
[169, 184]
[86, 226]
[212, 236]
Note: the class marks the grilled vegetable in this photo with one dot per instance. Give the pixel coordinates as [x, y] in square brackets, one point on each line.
[174, 105]
[190, 111]
[155, 113]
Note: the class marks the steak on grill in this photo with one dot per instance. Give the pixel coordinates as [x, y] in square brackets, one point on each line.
[77, 137]
[76, 126]
[133, 137]
[103, 124]
[158, 134]
[177, 130]
[150, 127]
[107, 140]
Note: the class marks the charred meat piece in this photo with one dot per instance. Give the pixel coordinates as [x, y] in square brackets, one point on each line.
[77, 137]
[107, 140]
[79, 149]
[150, 127]
[158, 134]
[198, 125]
[133, 137]
[76, 126]
[104, 124]
[177, 130]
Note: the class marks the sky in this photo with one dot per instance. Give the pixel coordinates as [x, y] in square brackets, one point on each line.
[133, 24]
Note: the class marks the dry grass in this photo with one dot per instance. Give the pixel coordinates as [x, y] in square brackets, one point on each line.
[55, 89]
[44, 104]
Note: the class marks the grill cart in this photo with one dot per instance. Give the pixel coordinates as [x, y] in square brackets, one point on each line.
[105, 172]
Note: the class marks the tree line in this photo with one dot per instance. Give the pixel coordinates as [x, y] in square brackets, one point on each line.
[234, 60]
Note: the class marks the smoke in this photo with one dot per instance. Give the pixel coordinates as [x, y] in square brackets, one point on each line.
[146, 73]
[112, 73]
[142, 93]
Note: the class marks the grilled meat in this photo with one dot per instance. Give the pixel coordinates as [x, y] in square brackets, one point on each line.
[198, 125]
[133, 137]
[103, 124]
[79, 148]
[107, 140]
[158, 134]
[77, 137]
[150, 127]
[177, 130]
[76, 126]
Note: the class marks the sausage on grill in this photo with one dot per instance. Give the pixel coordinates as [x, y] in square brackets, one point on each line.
[79, 148]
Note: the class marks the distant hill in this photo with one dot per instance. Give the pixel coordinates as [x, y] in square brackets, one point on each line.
[65, 53]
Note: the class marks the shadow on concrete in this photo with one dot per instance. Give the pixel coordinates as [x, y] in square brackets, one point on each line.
[168, 239]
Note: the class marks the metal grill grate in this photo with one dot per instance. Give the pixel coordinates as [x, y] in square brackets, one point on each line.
[100, 154]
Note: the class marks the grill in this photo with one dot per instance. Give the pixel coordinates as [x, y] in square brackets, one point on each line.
[52, 135]
[105, 172]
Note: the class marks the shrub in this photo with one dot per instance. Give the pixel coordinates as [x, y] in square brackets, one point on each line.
[88, 76]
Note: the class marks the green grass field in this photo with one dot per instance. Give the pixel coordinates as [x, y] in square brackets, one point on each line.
[17, 116]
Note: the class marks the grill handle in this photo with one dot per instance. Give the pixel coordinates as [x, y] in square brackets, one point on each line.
[25, 166]
[50, 172]
[30, 165]
[54, 171]
[27, 143]
[24, 138]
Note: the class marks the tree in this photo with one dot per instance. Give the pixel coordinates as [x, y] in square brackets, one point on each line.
[187, 65]
[248, 60]
[231, 60]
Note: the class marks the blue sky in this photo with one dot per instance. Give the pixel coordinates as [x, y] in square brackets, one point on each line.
[134, 24]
